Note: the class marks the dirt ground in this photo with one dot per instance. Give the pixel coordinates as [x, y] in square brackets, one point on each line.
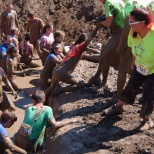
[95, 133]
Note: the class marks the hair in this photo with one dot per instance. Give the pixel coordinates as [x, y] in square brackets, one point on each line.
[12, 50]
[46, 26]
[27, 36]
[31, 14]
[59, 33]
[141, 15]
[6, 37]
[7, 115]
[9, 4]
[38, 96]
[81, 39]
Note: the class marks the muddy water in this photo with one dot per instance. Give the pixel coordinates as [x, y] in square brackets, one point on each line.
[28, 84]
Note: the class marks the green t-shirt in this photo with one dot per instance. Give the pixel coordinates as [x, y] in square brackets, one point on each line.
[143, 50]
[150, 7]
[132, 4]
[114, 8]
[38, 119]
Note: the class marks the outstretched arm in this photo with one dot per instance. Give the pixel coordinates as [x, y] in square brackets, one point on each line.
[13, 148]
[92, 35]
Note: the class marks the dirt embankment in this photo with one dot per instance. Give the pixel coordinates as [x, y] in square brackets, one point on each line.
[71, 16]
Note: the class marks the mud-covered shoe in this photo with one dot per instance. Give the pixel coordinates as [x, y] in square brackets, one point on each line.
[113, 110]
[147, 125]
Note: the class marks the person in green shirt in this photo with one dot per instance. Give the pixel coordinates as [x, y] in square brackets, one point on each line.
[30, 136]
[115, 20]
[140, 39]
[123, 50]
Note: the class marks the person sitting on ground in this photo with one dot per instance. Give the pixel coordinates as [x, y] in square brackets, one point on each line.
[69, 63]
[12, 63]
[3, 50]
[26, 50]
[7, 119]
[140, 40]
[46, 41]
[5, 103]
[37, 117]
[50, 63]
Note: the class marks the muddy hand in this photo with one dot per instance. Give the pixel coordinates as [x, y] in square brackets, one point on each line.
[15, 95]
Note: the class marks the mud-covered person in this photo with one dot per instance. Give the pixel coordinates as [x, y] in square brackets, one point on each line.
[26, 50]
[7, 119]
[37, 118]
[140, 40]
[35, 28]
[115, 20]
[12, 64]
[3, 50]
[69, 63]
[8, 20]
[46, 41]
[59, 40]
[50, 63]
[5, 103]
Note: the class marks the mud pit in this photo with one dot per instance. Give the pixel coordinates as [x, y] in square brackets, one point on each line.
[95, 134]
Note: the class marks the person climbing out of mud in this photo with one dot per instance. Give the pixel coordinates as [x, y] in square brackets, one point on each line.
[7, 119]
[12, 63]
[50, 63]
[5, 103]
[115, 20]
[37, 117]
[123, 50]
[46, 41]
[35, 28]
[140, 40]
[69, 63]
[26, 50]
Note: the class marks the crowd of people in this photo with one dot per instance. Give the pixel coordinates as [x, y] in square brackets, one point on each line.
[130, 50]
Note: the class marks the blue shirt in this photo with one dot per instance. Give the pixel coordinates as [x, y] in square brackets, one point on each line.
[3, 49]
[50, 58]
[3, 132]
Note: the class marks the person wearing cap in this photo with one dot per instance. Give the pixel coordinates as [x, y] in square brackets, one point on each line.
[8, 20]
[37, 118]
[7, 119]
[35, 28]
[52, 60]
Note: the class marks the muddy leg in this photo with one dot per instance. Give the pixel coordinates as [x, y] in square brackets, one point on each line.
[120, 83]
[49, 91]
[92, 58]
[34, 64]
[6, 103]
[13, 83]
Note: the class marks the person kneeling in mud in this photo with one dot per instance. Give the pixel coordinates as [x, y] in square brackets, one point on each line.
[50, 63]
[69, 63]
[12, 62]
[26, 50]
[37, 117]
